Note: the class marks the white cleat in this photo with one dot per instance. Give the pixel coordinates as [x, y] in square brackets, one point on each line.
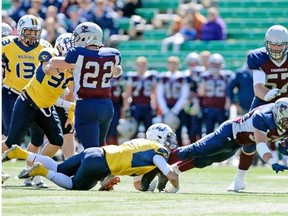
[236, 186]
[4, 176]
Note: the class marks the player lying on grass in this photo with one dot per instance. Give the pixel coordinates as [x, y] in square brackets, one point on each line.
[260, 126]
[84, 170]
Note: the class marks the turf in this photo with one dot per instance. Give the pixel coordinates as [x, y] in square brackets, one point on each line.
[202, 192]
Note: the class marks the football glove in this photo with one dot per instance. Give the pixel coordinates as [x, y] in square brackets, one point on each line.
[171, 189]
[278, 167]
[272, 94]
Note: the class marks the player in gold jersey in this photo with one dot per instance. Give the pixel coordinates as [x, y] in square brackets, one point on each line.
[83, 171]
[19, 61]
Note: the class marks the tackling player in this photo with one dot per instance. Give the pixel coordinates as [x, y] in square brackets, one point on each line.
[258, 127]
[270, 71]
[83, 171]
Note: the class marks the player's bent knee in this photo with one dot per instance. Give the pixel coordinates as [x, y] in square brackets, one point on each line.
[249, 150]
[57, 141]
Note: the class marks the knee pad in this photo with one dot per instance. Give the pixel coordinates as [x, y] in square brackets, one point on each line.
[249, 149]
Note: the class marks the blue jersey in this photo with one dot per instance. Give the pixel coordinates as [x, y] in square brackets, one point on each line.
[260, 118]
[243, 81]
[276, 73]
[93, 71]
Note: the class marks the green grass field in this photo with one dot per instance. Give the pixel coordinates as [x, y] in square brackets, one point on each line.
[202, 192]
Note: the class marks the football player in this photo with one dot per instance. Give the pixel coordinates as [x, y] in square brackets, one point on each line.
[172, 94]
[19, 61]
[212, 89]
[270, 71]
[258, 127]
[95, 65]
[140, 88]
[193, 109]
[117, 99]
[84, 170]
[36, 105]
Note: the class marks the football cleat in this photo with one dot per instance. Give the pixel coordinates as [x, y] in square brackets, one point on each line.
[4, 176]
[10, 152]
[29, 182]
[108, 183]
[39, 183]
[35, 170]
[237, 185]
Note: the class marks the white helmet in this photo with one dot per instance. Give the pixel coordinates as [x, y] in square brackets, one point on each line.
[63, 43]
[193, 57]
[87, 33]
[31, 23]
[127, 128]
[162, 134]
[172, 120]
[216, 63]
[276, 35]
[280, 113]
[6, 30]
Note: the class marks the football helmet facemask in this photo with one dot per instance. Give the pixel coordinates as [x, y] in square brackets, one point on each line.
[280, 114]
[276, 35]
[63, 43]
[6, 30]
[29, 29]
[162, 134]
[86, 34]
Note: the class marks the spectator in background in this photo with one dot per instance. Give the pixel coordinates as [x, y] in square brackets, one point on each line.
[51, 30]
[37, 5]
[214, 28]
[243, 84]
[186, 33]
[129, 7]
[51, 11]
[104, 17]
[198, 20]
[7, 19]
[86, 9]
[55, 3]
[16, 11]
[73, 18]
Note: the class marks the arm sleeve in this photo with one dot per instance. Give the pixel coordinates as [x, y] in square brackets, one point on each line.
[162, 164]
[259, 77]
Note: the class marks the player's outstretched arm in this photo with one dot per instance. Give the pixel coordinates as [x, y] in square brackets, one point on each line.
[167, 170]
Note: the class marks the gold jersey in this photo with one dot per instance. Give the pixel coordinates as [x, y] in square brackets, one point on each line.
[21, 61]
[45, 89]
[133, 157]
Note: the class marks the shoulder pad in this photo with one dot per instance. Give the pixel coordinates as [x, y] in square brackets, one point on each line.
[46, 54]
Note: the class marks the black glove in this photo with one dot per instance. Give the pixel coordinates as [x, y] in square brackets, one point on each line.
[278, 167]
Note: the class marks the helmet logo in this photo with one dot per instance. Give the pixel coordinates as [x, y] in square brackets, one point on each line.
[21, 23]
[84, 28]
[282, 108]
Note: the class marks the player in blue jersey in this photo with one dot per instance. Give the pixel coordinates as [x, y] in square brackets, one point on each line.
[260, 126]
[93, 68]
[270, 71]
[82, 171]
